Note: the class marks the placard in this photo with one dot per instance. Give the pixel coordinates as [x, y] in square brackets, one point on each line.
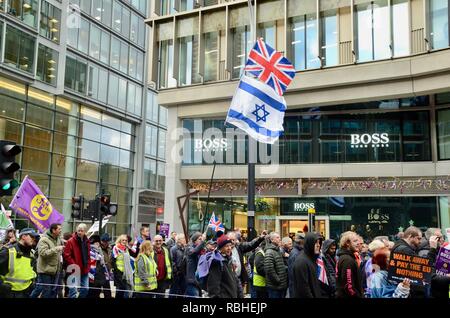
[416, 268]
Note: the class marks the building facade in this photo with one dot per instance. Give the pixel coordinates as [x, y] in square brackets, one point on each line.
[74, 93]
[366, 133]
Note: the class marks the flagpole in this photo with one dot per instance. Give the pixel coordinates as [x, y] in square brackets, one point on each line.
[209, 192]
[251, 165]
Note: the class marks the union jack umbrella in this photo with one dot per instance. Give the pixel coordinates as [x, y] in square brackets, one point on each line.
[270, 66]
[216, 224]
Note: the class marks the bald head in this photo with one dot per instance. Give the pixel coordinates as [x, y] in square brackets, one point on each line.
[157, 241]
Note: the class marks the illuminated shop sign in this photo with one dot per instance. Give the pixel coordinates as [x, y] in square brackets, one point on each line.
[208, 144]
[303, 206]
[366, 140]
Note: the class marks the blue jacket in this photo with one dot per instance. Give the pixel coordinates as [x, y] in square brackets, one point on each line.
[380, 287]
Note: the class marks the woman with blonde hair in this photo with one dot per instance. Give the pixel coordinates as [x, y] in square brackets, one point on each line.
[122, 263]
[145, 275]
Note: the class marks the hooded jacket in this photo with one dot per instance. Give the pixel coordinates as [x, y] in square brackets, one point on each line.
[243, 248]
[222, 281]
[348, 277]
[48, 261]
[305, 280]
[330, 267]
[276, 271]
[193, 253]
[291, 261]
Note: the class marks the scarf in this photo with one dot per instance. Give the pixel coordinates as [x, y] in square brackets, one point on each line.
[358, 259]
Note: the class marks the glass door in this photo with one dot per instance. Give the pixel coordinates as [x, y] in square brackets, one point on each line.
[290, 226]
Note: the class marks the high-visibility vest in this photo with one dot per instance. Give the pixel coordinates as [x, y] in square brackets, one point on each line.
[20, 272]
[258, 280]
[150, 267]
[120, 263]
[166, 261]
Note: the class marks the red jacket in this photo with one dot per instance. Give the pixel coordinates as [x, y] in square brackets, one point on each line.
[72, 254]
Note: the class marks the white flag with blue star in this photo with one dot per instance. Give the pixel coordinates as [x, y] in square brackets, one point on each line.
[257, 110]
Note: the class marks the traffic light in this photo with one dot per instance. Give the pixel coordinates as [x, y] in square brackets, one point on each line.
[8, 151]
[92, 210]
[106, 206]
[77, 207]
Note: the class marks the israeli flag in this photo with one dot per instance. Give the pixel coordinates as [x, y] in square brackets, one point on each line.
[257, 110]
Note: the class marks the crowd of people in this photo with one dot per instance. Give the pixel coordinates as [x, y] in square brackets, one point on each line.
[308, 266]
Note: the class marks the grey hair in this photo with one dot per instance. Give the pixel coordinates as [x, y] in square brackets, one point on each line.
[272, 235]
[179, 237]
[431, 231]
[82, 226]
[286, 240]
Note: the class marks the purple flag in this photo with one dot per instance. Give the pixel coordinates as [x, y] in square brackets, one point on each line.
[443, 262]
[31, 203]
[164, 229]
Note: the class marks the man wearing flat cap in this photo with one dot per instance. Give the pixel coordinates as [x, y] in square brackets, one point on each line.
[17, 277]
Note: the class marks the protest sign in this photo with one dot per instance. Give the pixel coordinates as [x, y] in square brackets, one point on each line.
[443, 261]
[417, 269]
[94, 228]
[164, 229]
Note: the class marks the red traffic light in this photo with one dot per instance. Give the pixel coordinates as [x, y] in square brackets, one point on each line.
[105, 199]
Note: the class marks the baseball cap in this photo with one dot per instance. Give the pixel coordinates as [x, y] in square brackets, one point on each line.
[105, 237]
[211, 242]
[28, 231]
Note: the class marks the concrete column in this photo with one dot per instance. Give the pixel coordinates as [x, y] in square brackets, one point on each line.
[174, 186]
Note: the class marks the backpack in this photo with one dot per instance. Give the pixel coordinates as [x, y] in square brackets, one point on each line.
[204, 264]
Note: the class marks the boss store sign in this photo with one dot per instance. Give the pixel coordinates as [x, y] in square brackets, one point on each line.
[210, 144]
[376, 140]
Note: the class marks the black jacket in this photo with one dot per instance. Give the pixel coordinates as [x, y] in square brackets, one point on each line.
[330, 267]
[401, 246]
[177, 254]
[276, 271]
[222, 281]
[440, 286]
[192, 255]
[4, 256]
[348, 280]
[291, 261]
[306, 284]
[259, 263]
[244, 248]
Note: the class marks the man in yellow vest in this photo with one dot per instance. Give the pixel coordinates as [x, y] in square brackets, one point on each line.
[162, 258]
[259, 274]
[16, 271]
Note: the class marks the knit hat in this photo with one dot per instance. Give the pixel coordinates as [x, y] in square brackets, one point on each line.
[94, 239]
[195, 236]
[222, 241]
[105, 237]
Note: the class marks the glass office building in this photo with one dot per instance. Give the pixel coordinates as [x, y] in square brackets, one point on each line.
[366, 130]
[74, 93]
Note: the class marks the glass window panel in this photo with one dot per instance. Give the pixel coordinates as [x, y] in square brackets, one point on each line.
[83, 40]
[126, 127]
[329, 35]
[123, 57]
[89, 130]
[211, 40]
[39, 116]
[104, 50]
[103, 85]
[125, 177]
[122, 96]
[11, 130]
[19, 49]
[125, 22]
[131, 97]
[35, 160]
[12, 107]
[124, 196]
[439, 17]
[63, 165]
[166, 79]
[161, 176]
[125, 141]
[125, 159]
[110, 137]
[61, 188]
[89, 150]
[64, 144]
[117, 17]
[140, 66]
[65, 106]
[85, 5]
[142, 29]
[93, 81]
[134, 28]
[115, 53]
[111, 122]
[91, 115]
[47, 68]
[113, 90]
[241, 39]
[132, 63]
[162, 116]
[86, 187]
[25, 10]
[94, 47]
[109, 155]
[109, 174]
[50, 24]
[76, 74]
[162, 144]
[443, 128]
[87, 170]
[107, 11]
[138, 101]
[150, 173]
[400, 25]
[304, 44]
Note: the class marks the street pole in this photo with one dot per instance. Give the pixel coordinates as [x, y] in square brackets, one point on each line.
[311, 220]
[99, 208]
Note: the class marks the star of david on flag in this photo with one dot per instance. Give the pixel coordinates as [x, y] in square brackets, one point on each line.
[256, 112]
[270, 67]
[216, 224]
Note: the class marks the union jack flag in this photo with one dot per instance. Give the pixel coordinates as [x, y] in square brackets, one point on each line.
[270, 66]
[216, 224]
[321, 272]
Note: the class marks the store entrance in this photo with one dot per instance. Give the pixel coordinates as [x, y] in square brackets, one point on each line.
[288, 225]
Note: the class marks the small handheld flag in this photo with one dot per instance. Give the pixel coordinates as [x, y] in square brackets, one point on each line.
[216, 224]
[321, 273]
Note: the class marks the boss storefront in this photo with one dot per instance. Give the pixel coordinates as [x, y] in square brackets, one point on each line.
[368, 216]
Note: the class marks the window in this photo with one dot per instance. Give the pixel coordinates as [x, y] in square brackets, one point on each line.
[98, 87]
[123, 57]
[25, 10]
[122, 95]
[268, 13]
[303, 34]
[97, 9]
[47, 68]
[117, 17]
[372, 35]
[76, 74]
[151, 140]
[85, 6]
[165, 55]
[241, 40]
[439, 16]
[161, 176]
[162, 116]
[104, 50]
[152, 107]
[188, 51]
[443, 128]
[107, 11]
[113, 90]
[134, 28]
[131, 97]
[329, 33]
[1, 34]
[213, 34]
[141, 33]
[95, 42]
[400, 27]
[19, 49]
[115, 53]
[150, 173]
[83, 37]
[132, 63]
[140, 66]
[161, 144]
[125, 22]
[50, 22]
